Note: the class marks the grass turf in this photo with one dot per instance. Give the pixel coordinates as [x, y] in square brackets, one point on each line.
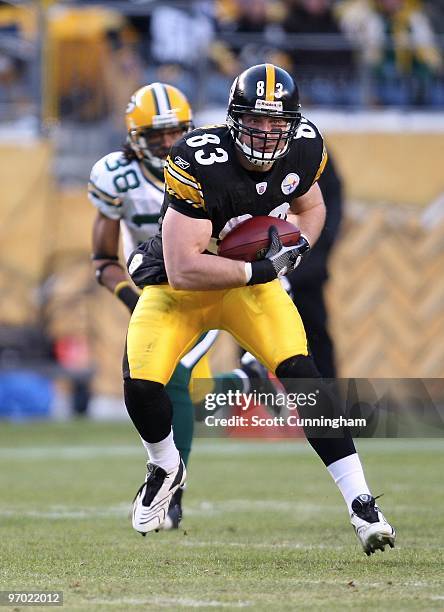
[264, 526]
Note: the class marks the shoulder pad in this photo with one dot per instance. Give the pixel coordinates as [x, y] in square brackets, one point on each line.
[201, 149]
[181, 173]
[101, 188]
[310, 152]
[307, 129]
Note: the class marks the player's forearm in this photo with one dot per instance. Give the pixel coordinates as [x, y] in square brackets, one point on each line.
[201, 272]
[310, 222]
[111, 275]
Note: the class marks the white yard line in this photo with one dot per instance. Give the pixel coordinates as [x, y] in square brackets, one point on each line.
[70, 452]
[234, 506]
[173, 601]
[66, 512]
[217, 448]
[261, 545]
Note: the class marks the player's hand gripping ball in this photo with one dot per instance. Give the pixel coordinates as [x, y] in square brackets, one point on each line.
[250, 240]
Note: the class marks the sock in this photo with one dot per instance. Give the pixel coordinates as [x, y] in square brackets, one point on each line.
[163, 453]
[183, 411]
[349, 477]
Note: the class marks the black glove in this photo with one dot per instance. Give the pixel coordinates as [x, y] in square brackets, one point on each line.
[279, 260]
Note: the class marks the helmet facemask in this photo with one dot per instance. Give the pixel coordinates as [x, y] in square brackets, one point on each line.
[246, 139]
[148, 147]
[156, 116]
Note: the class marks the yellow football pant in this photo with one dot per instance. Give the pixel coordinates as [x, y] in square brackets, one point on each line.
[167, 322]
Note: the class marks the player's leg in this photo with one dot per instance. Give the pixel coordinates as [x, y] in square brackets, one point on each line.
[250, 377]
[310, 302]
[160, 332]
[264, 320]
[183, 426]
[268, 325]
[336, 449]
[178, 390]
[183, 410]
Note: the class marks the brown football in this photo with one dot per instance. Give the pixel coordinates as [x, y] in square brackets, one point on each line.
[249, 241]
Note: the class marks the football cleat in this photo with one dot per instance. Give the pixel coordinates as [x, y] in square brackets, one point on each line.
[371, 527]
[174, 514]
[152, 500]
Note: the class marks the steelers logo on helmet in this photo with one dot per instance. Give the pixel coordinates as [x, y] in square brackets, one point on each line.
[151, 111]
[264, 90]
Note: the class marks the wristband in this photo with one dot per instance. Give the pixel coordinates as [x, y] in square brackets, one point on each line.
[98, 256]
[262, 272]
[306, 247]
[103, 267]
[248, 272]
[286, 285]
[126, 294]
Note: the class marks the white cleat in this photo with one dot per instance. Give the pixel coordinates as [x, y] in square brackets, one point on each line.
[174, 514]
[371, 527]
[152, 500]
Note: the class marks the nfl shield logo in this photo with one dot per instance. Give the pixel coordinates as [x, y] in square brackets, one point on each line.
[261, 187]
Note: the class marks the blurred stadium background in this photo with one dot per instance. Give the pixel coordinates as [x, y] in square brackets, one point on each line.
[67, 70]
[265, 527]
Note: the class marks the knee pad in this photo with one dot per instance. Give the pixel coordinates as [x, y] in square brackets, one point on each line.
[330, 444]
[299, 366]
[149, 407]
[138, 391]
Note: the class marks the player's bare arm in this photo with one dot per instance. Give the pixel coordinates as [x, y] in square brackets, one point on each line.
[105, 245]
[109, 272]
[184, 240]
[307, 212]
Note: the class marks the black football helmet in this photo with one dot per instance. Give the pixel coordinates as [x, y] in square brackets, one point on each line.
[263, 90]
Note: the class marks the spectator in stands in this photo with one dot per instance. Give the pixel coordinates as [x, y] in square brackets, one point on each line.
[15, 92]
[179, 39]
[322, 58]
[124, 66]
[398, 45]
[247, 33]
[434, 9]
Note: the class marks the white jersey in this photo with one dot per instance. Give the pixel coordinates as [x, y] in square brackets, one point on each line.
[127, 191]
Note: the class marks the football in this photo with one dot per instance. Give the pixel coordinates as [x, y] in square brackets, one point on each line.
[249, 241]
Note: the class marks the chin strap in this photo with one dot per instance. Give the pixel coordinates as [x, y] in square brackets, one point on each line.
[258, 161]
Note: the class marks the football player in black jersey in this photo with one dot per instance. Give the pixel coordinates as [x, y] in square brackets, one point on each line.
[265, 160]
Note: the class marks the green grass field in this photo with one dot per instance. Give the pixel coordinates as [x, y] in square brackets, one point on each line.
[264, 527]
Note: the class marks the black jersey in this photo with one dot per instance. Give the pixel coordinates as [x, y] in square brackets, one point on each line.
[204, 180]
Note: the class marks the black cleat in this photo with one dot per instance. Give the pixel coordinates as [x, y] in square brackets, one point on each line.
[174, 515]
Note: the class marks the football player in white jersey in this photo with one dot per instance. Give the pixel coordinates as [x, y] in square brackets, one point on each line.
[127, 189]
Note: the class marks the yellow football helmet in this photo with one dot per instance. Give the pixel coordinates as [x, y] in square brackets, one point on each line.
[155, 114]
